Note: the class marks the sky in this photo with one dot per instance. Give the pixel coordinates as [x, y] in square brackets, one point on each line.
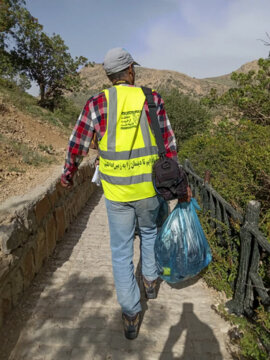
[201, 38]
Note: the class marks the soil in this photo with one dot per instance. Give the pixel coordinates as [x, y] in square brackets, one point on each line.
[22, 139]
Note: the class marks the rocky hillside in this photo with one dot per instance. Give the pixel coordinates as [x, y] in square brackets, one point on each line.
[225, 80]
[96, 80]
[166, 79]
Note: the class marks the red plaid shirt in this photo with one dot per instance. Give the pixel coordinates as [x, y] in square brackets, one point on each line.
[94, 119]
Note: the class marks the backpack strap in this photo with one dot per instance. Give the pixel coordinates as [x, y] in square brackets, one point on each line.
[154, 120]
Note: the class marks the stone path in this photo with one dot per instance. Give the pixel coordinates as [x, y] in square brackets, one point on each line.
[71, 312]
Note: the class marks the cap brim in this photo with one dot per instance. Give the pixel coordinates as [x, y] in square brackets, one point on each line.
[135, 63]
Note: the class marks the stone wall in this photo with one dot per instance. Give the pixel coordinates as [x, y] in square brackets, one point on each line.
[30, 227]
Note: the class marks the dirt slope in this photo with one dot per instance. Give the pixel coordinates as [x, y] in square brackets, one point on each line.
[28, 150]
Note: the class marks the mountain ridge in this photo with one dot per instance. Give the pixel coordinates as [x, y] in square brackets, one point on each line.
[154, 78]
[226, 78]
[95, 80]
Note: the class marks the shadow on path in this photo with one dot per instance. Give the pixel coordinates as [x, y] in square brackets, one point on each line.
[185, 283]
[200, 342]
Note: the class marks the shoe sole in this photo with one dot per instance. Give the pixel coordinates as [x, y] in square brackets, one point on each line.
[131, 336]
[131, 332]
[150, 296]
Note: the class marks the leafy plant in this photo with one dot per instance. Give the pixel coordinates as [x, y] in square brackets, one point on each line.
[253, 340]
[237, 156]
[187, 116]
[222, 271]
[30, 156]
[46, 148]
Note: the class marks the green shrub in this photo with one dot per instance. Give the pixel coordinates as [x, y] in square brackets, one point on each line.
[29, 156]
[222, 271]
[238, 157]
[66, 111]
[253, 338]
[187, 116]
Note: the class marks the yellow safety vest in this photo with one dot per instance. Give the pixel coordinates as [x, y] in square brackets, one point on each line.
[128, 148]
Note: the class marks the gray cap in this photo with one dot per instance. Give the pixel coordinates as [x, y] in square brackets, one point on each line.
[117, 59]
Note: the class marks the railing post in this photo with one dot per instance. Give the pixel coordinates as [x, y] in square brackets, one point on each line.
[187, 165]
[248, 304]
[239, 301]
[205, 195]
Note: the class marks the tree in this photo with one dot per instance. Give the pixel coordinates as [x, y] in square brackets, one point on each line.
[27, 51]
[250, 96]
[9, 10]
[266, 42]
[45, 60]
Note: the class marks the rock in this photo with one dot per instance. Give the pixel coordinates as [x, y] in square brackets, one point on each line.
[12, 236]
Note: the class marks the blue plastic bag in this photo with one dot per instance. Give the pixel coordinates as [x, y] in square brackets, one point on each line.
[181, 248]
[163, 212]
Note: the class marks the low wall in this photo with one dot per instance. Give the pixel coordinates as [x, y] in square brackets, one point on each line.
[30, 227]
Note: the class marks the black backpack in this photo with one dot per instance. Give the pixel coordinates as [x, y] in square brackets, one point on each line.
[169, 179]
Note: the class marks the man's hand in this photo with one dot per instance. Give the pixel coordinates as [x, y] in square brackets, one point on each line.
[67, 184]
[188, 197]
[96, 161]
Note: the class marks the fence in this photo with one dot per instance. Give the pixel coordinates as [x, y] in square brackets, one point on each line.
[253, 243]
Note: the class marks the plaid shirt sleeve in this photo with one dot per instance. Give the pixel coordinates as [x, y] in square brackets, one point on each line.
[92, 119]
[165, 126]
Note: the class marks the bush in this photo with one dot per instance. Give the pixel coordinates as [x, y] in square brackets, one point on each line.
[187, 116]
[252, 337]
[222, 271]
[67, 111]
[238, 157]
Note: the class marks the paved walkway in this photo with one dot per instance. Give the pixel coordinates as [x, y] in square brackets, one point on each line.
[70, 312]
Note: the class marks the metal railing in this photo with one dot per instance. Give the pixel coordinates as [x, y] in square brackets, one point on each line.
[225, 219]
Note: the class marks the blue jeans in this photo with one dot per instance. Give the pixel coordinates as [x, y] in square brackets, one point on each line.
[122, 217]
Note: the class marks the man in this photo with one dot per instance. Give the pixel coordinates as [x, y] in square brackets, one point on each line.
[127, 147]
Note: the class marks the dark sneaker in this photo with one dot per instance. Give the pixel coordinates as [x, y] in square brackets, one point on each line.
[131, 325]
[150, 288]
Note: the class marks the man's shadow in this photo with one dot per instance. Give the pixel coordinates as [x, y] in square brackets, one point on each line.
[200, 342]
